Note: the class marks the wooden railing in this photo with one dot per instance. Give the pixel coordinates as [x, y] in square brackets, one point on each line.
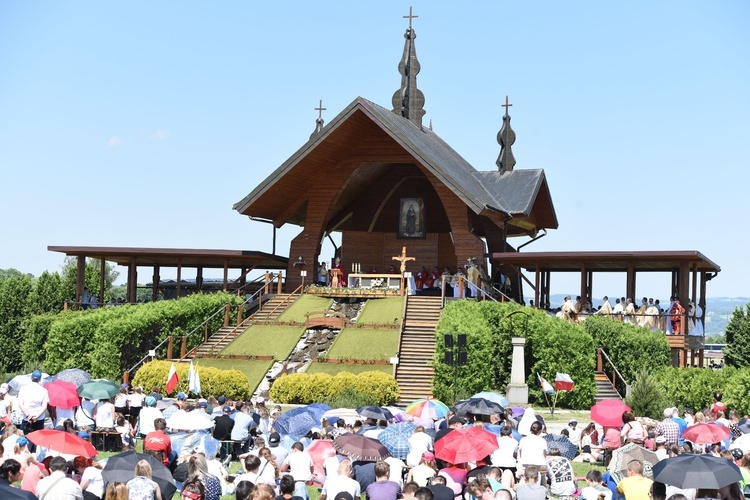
[605, 365]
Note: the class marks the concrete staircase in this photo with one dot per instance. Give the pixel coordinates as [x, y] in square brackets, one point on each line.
[271, 310]
[414, 372]
[604, 389]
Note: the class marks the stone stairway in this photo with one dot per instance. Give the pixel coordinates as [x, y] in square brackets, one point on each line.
[225, 335]
[414, 372]
[604, 389]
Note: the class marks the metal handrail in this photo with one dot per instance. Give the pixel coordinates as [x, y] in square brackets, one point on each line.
[616, 374]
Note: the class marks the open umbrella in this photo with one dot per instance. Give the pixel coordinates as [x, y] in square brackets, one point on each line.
[98, 389]
[349, 415]
[517, 411]
[396, 438]
[63, 442]
[375, 412]
[121, 468]
[164, 403]
[319, 450]
[495, 397]
[608, 412]
[697, 471]
[360, 447]
[190, 420]
[297, 422]
[565, 445]
[478, 406]
[427, 409]
[706, 433]
[465, 445]
[74, 375]
[19, 381]
[623, 455]
[63, 394]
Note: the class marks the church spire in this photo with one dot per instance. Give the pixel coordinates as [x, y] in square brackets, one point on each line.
[319, 122]
[408, 101]
[506, 137]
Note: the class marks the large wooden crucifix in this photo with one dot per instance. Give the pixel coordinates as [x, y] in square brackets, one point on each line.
[403, 259]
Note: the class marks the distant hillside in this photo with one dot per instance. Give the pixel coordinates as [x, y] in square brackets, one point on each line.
[718, 310]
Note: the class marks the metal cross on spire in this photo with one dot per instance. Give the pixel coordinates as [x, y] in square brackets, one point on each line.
[320, 109]
[506, 105]
[410, 16]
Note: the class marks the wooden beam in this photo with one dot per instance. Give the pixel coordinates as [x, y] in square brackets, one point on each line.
[80, 279]
[155, 288]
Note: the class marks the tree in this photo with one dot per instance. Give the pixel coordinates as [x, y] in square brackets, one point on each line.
[93, 272]
[14, 294]
[737, 351]
[646, 397]
[48, 294]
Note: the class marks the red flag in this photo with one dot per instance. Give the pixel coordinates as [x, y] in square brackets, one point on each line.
[563, 382]
[172, 380]
[546, 386]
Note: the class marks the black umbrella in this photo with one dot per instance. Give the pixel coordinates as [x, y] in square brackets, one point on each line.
[478, 406]
[697, 471]
[375, 412]
[121, 468]
[565, 445]
[9, 492]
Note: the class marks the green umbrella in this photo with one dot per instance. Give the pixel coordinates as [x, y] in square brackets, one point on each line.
[98, 389]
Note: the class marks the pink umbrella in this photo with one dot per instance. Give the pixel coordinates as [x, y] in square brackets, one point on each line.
[608, 412]
[63, 394]
[706, 433]
[319, 450]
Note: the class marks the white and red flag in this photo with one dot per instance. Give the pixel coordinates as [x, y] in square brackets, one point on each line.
[563, 382]
[172, 380]
[546, 386]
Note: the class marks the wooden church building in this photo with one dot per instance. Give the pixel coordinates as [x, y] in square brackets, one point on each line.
[384, 180]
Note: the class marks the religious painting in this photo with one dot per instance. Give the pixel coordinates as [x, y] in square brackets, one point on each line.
[411, 218]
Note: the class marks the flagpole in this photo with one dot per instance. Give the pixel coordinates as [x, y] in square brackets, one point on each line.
[545, 393]
[554, 404]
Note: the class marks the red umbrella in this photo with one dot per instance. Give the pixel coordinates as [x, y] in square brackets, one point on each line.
[608, 412]
[706, 433]
[319, 450]
[63, 394]
[63, 442]
[465, 445]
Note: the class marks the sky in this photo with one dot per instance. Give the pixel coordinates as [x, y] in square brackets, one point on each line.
[140, 124]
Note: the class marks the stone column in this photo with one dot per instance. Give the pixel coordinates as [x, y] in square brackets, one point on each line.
[518, 390]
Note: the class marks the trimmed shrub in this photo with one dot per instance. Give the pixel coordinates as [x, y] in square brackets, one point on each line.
[552, 345]
[214, 382]
[629, 347]
[694, 388]
[35, 332]
[302, 388]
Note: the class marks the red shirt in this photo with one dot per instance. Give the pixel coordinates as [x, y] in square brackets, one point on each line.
[158, 441]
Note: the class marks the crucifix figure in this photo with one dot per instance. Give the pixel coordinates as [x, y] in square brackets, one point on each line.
[403, 258]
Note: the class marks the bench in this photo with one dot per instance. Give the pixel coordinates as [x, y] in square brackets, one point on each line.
[106, 440]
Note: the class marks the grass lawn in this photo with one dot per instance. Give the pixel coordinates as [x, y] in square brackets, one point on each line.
[266, 340]
[381, 344]
[382, 311]
[254, 369]
[334, 368]
[304, 304]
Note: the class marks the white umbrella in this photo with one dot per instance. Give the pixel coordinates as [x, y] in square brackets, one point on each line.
[190, 421]
[19, 381]
[348, 415]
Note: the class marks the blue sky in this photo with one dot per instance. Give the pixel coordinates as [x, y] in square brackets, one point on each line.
[141, 123]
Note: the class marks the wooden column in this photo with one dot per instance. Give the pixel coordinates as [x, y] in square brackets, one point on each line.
[132, 282]
[584, 282]
[537, 285]
[226, 274]
[630, 284]
[102, 270]
[178, 290]
[199, 278]
[80, 279]
[155, 280]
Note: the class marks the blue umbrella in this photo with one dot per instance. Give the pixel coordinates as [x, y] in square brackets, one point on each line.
[74, 376]
[495, 397]
[396, 438]
[296, 423]
[565, 445]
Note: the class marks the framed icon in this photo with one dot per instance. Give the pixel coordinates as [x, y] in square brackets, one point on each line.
[411, 218]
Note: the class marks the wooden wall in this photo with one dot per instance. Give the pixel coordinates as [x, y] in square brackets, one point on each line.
[377, 249]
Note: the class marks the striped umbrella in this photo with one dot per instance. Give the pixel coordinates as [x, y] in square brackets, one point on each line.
[427, 409]
[396, 438]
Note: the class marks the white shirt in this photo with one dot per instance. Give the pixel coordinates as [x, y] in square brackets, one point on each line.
[419, 442]
[532, 450]
[503, 455]
[146, 419]
[331, 466]
[336, 485]
[136, 400]
[63, 414]
[279, 453]
[397, 470]
[64, 488]
[300, 465]
[105, 415]
[33, 400]
[96, 482]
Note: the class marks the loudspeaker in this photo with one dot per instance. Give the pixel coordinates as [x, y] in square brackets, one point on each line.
[449, 358]
[448, 341]
[461, 358]
[461, 340]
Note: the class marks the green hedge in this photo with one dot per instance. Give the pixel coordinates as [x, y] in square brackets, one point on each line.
[552, 346]
[694, 387]
[214, 382]
[35, 331]
[303, 388]
[629, 347]
[105, 341]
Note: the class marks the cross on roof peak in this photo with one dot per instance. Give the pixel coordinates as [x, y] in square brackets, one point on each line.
[410, 16]
[320, 109]
[506, 105]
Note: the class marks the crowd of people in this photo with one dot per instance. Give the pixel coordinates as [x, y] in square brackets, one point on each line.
[524, 463]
